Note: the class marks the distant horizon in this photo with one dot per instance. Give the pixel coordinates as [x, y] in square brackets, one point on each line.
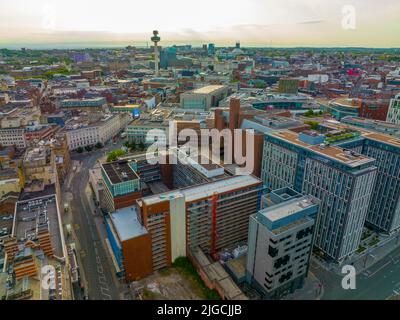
[195, 44]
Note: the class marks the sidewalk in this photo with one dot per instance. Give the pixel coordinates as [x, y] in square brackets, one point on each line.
[98, 219]
[365, 260]
[312, 290]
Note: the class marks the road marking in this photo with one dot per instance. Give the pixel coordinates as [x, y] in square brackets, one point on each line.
[379, 269]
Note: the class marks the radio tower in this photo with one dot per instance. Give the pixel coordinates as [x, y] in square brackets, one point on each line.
[156, 39]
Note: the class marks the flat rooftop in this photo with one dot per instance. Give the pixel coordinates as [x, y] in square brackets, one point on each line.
[205, 190]
[126, 224]
[332, 152]
[119, 171]
[382, 138]
[345, 102]
[207, 89]
[287, 209]
[35, 215]
[366, 133]
[281, 217]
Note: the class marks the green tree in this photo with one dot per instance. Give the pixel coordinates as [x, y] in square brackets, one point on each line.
[99, 145]
[114, 155]
[133, 146]
[309, 113]
[141, 146]
[79, 150]
[313, 124]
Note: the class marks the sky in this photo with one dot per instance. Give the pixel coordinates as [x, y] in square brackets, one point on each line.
[277, 23]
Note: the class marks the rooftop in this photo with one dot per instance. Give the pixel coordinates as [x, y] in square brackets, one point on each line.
[288, 208]
[35, 216]
[207, 89]
[332, 152]
[126, 223]
[345, 102]
[283, 216]
[205, 190]
[119, 171]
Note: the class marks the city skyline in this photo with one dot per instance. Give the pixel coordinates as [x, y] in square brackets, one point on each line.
[254, 23]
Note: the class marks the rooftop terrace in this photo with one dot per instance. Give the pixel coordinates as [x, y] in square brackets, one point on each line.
[335, 153]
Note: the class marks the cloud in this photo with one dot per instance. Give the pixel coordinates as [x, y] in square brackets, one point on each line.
[312, 22]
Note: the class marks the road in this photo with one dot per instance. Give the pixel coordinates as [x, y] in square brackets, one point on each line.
[376, 283]
[97, 273]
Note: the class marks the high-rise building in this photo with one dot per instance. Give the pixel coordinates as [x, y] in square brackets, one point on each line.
[211, 216]
[280, 244]
[384, 208]
[288, 85]
[342, 180]
[211, 49]
[394, 110]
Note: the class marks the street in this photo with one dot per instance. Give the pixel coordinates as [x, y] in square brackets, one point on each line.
[97, 272]
[376, 283]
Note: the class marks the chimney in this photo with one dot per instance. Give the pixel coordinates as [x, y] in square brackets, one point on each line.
[234, 111]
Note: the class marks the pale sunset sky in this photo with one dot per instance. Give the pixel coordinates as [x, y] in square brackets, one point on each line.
[278, 23]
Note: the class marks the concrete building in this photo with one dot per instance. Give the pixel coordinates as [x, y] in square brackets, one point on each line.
[342, 180]
[130, 244]
[122, 185]
[13, 137]
[288, 85]
[90, 129]
[384, 208]
[10, 181]
[393, 115]
[340, 107]
[86, 104]
[211, 216]
[39, 165]
[280, 245]
[204, 98]
[139, 131]
[37, 239]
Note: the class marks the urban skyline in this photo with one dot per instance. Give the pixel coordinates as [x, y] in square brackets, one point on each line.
[203, 168]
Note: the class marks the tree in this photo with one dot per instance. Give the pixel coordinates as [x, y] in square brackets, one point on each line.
[99, 145]
[141, 146]
[79, 150]
[313, 124]
[88, 148]
[114, 155]
[309, 113]
[133, 146]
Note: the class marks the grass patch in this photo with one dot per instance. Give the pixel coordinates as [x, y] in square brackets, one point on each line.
[186, 268]
[374, 242]
[165, 272]
[361, 249]
[149, 295]
[365, 235]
